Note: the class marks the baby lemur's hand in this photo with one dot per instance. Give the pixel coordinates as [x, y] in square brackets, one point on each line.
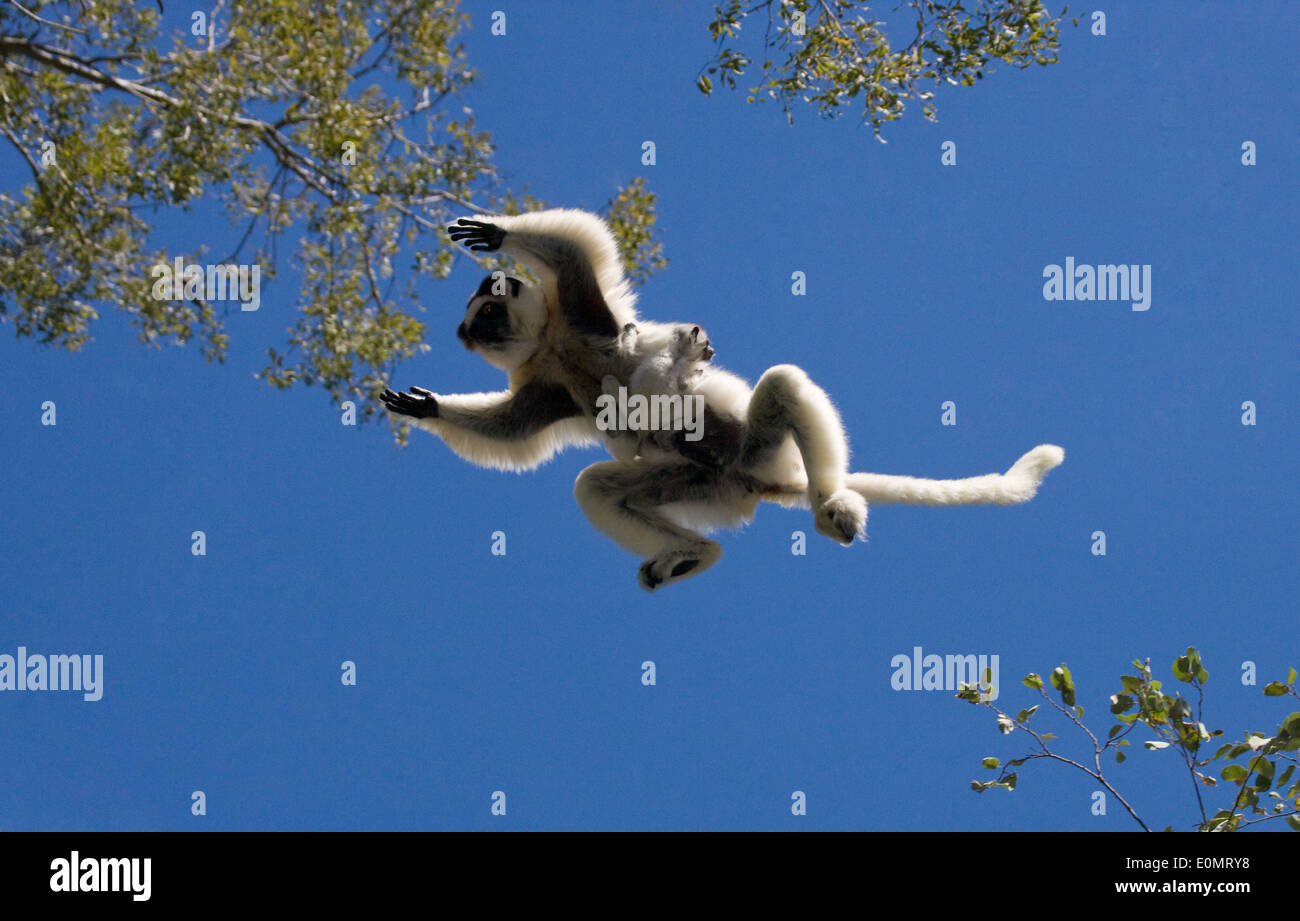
[627, 338]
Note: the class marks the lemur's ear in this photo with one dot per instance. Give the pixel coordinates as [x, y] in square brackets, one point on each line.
[695, 333]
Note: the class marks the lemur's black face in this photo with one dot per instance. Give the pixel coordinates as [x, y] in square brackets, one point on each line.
[490, 325]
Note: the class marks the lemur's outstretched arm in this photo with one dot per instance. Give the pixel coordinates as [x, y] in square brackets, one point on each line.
[571, 251]
[508, 431]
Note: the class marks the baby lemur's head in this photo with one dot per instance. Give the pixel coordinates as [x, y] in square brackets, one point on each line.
[692, 342]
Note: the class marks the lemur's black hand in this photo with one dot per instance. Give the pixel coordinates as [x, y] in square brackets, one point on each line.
[419, 403]
[479, 236]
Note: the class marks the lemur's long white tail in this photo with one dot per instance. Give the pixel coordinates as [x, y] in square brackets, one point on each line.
[1011, 488]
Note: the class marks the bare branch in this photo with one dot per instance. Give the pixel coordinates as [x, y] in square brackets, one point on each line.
[56, 25]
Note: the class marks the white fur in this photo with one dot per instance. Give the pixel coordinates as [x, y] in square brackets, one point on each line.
[1019, 484]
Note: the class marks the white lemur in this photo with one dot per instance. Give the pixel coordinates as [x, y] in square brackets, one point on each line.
[673, 371]
[781, 441]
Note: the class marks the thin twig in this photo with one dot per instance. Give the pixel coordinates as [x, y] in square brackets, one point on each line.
[56, 25]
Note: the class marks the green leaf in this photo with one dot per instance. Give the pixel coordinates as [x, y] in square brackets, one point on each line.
[1062, 682]
[1120, 757]
[1234, 773]
[1290, 676]
[1294, 822]
[1275, 689]
[1114, 731]
[991, 763]
[1120, 703]
[1010, 781]
[1032, 680]
[1182, 669]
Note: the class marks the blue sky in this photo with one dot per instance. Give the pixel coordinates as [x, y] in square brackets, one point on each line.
[522, 673]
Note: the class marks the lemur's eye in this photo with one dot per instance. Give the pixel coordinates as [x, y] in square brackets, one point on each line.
[488, 309]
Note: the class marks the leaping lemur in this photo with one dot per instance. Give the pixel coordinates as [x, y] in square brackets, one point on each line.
[781, 441]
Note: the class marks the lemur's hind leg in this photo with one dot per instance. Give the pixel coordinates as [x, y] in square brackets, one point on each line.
[786, 402]
[621, 500]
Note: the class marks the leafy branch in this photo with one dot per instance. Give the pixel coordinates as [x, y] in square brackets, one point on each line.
[277, 113]
[835, 53]
[1174, 723]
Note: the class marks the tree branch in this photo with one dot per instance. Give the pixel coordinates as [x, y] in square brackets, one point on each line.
[56, 25]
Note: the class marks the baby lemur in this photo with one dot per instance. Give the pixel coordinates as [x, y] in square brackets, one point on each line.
[673, 370]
